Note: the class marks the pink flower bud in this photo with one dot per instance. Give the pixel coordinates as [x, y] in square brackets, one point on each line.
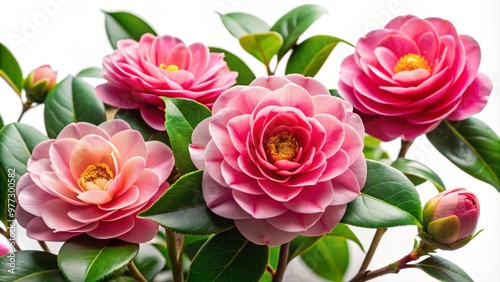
[39, 82]
[450, 219]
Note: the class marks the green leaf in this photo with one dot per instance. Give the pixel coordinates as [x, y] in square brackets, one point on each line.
[334, 93]
[193, 244]
[328, 258]
[181, 117]
[443, 270]
[388, 199]
[135, 120]
[123, 25]
[343, 231]
[150, 261]
[372, 149]
[90, 72]
[300, 244]
[30, 266]
[310, 55]
[228, 256]
[472, 146]
[263, 46]
[240, 24]
[245, 74]
[274, 255]
[294, 23]
[72, 100]
[17, 141]
[1, 123]
[182, 209]
[120, 279]
[10, 70]
[83, 258]
[418, 173]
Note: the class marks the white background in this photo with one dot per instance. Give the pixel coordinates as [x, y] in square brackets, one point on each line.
[69, 35]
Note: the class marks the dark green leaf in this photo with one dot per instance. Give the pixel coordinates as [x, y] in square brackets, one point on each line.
[1, 123]
[193, 244]
[443, 270]
[343, 231]
[83, 258]
[245, 74]
[328, 258]
[388, 199]
[90, 72]
[135, 120]
[17, 141]
[123, 25]
[10, 70]
[240, 24]
[228, 256]
[263, 46]
[183, 209]
[334, 93]
[472, 146]
[149, 261]
[300, 244]
[294, 23]
[30, 266]
[120, 279]
[72, 100]
[274, 255]
[418, 172]
[310, 55]
[181, 117]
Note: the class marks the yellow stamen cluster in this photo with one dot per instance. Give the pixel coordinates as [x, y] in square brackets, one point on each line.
[411, 62]
[282, 146]
[169, 68]
[99, 175]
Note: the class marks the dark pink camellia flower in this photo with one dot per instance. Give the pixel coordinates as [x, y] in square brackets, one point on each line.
[406, 78]
[282, 157]
[94, 180]
[139, 73]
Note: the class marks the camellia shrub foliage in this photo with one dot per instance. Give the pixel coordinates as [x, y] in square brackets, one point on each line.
[181, 164]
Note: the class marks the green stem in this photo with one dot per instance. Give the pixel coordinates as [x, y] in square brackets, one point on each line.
[391, 268]
[175, 243]
[44, 246]
[282, 263]
[405, 145]
[369, 255]
[135, 272]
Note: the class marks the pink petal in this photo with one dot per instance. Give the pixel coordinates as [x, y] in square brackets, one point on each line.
[80, 130]
[143, 231]
[58, 188]
[161, 47]
[129, 143]
[219, 199]
[270, 82]
[180, 56]
[346, 188]
[311, 85]
[259, 232]
[96, 197]
[60, 153]
[289, 95]
[199, 140]
[23, 217]
[38, 230]
[294, 222]
[279, 192]
[89, 214]
[153, 116]
[353, 143]
[259, 206]
[113, 229]
[55, 215]
[334, 133]
[41, 151]
[123, 201]
[202, 55]
[160, 159]
[32, 198]
[114, 126]
[412, 78]
[91, 150]
[312, 199]
[330, 218]
[131, 171]
[474, 98]
[329, 105]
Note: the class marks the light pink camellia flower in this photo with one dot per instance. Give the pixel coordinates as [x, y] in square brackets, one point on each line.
[406, 78]
[139, 73]
[281, 157]
[94, 180]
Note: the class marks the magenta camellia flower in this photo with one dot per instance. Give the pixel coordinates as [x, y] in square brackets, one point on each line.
[281, 157]
[94, 180]
[139, 73]
[406, 78]
[450, 219]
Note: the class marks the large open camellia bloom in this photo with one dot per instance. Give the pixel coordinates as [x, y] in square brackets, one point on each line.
[281, 157]
[406, 78]
[94, 180]
[139, 73]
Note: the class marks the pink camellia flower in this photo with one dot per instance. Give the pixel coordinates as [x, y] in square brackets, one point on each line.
[406, 78]
[139, 73]
[94, 180]
[281, 157]
[450, 219]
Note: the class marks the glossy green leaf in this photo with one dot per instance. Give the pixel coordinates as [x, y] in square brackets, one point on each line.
[310, 55]
[10, 70]
[294, 23]
[240, 24]
[472, 146]
[83, 258]
[30, 266]
[72, 100]
[328, 258]
[150, 261]
[193, 244]
[228, 256]
[443, 270]
[300, 244]
[263, 46]
[388, 199]
[182, 209]
[123, 25]
[1, 123]
[418, 173]
[181, 117]
[92, 72]
[274, 255]
[372, 149]
[135, 120]
[343, 231]
[334, 93]
[17, 141]
[120, 279]
[245, 74]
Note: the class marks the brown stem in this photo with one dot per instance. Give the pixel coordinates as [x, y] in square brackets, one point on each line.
[174, 248]
[44, 246]
[369, 255]
[282, 263]
[135, 272]
[405, 145]
[391, 268]
[270, 269]
[26, 107]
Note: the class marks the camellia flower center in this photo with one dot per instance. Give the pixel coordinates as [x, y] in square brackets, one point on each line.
[95, 175]
[169, 68]
[411, 62]
[282, 146]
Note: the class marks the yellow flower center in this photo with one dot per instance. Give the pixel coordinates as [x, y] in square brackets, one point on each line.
[411, 62]
[282, 146]
[98, 175]
[169, 68]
